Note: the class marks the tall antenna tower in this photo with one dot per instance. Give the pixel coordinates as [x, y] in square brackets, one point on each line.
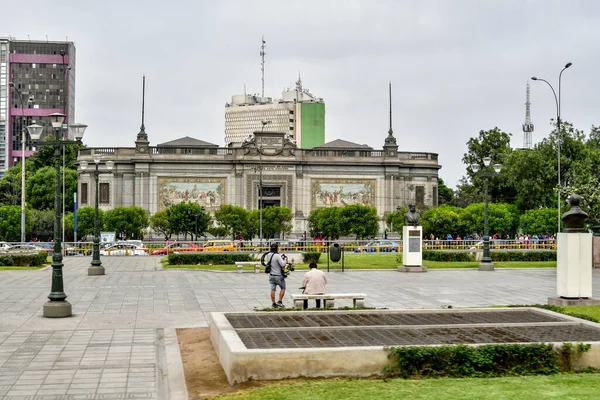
[262, 65]
[527, 126]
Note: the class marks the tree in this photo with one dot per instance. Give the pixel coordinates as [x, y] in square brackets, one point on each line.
[10, 186]
[42, 223]
[394, 221]
[85, 222]
[358, 220]
[128, 221]
[233, 219]
[539, 221]
[182, 222]
[445, 194]
[503, 218]
[10, 223]
[40, 188]
[44, 156]
[442, 220]
[277, 219]
[325, 221]
[160, 222]
[495, 144]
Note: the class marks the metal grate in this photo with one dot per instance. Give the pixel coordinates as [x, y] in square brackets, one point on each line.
[394, 336]
[287, 320]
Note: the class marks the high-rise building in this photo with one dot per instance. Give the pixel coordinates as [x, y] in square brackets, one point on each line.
[44, 73]
[297, 112]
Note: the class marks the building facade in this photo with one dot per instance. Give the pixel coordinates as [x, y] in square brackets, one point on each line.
[44, 73]
[298, 113]
[333, 174]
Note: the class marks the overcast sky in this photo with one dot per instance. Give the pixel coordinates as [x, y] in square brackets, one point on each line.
[457, 67]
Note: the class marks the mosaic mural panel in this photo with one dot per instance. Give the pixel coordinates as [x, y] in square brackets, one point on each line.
[206, 192]
[342, 192]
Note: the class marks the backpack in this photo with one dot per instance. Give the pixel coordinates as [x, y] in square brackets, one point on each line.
[266, 265]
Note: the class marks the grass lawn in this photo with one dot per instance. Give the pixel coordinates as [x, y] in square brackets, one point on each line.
[20, 268]
[561, 386]
[378, 261]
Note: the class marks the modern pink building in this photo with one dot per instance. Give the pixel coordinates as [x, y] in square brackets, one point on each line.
[44, 73]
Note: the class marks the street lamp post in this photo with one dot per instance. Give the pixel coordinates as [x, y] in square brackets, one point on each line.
[486, 261]
[190, 213]
[58, 306]
[23, 142]
[558, 134]
[96, 268]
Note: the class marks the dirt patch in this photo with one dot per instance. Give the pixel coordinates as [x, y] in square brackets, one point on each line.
[204, 375]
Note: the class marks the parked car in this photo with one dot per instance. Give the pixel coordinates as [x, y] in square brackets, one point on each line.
[28, 247]
[379, 246]
[219, 245]
[177, 247]
[124, 249]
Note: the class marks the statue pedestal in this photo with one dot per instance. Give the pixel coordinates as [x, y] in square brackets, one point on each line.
[412, 249]
[573, 270]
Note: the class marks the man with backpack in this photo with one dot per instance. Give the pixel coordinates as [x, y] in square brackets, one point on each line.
[274, 265]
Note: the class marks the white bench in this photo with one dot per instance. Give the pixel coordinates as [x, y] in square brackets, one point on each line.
[301, 300]
[239, 265]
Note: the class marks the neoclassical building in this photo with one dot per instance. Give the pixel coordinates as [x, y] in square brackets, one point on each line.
[333, 174]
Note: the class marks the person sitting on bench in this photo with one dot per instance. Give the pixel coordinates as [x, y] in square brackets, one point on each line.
[314, 282]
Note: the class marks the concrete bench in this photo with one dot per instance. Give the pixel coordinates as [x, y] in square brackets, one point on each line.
[240, 264]
[301, 300]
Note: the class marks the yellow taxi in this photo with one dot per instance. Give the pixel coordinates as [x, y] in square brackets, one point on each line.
[219, 245]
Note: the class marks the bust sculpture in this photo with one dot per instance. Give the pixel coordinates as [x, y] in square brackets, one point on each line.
[412, 216]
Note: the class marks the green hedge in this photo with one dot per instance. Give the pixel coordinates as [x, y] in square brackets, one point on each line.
[478, 361]
[436, 255]
[310, 257]
[207, 258]
[523, 255]
[431, 255]
[23, 260]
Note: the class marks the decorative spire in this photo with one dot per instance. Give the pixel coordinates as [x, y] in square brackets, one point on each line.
[390, 139]
[527, 126]
[141, 143]
[142, 135]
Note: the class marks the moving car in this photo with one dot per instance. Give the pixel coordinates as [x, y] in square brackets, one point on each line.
[219, 245]
[124, 249]
[177, 247]
[379, 246]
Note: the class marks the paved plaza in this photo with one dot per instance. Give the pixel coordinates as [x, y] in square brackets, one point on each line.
[120, 342]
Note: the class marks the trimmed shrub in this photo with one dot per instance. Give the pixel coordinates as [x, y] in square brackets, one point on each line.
[523, 255]
[312, 256]
[431, 255]
[208, 258]
[23, 260]
[478, 361]
[437, 255]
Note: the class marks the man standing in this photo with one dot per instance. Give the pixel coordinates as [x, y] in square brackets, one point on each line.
[276, 275]
[314, 282]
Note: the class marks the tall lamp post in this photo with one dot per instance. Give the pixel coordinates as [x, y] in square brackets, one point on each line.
[96, 268]
[487, 172]
[23, 142]
[58, 306]
[558, 132]
[191, 213]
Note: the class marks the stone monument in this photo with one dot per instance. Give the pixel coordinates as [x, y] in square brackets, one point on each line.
[412, 242]
[574, 259]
